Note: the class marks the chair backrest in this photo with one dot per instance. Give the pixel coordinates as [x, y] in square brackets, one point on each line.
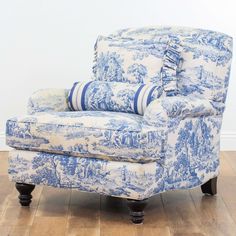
[136, 56]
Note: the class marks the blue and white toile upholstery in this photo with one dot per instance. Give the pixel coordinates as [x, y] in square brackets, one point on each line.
[174, 144]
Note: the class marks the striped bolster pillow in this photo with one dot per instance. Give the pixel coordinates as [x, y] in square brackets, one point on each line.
[112, 96]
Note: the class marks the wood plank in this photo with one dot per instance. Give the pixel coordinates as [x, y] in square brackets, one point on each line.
[230, 157]
[19, 231]
[225, 167]
[49, 226]
[213, 213]
[132, 230]
[52, 212]
[3, 163]
[53, 202]
[181, 213]
[18, 216]
[5, 230]
[115, 218]
[227, 184]
[6, 189]
[113, 213]
[84, 211]
[14, 231]
[74, 231]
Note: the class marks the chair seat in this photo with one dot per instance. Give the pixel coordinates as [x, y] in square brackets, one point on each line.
[106, 135]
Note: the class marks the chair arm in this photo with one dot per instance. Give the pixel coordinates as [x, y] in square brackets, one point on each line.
[161, 110]
[46, 100]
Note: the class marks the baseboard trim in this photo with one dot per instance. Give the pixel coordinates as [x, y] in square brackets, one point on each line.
[228, 142]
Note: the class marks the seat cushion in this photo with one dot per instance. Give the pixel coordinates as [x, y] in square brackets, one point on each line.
[105, 135]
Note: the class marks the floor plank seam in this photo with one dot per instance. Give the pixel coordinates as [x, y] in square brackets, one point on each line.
[68, 215]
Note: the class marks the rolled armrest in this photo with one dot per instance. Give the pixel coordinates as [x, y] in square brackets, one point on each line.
[46, 100]
[161, 110]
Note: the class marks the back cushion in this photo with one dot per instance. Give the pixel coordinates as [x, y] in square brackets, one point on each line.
[137, 56]
[112, 96]
[129, 60]
[138, 60]
[132, 60]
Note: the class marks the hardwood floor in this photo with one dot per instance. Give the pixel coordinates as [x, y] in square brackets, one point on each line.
[65, 212]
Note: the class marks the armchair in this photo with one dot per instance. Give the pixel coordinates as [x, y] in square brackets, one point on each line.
[175, 144]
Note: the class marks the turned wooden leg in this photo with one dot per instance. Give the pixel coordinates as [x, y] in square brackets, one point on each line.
[210, 187]
[25, 193]
[136, 208]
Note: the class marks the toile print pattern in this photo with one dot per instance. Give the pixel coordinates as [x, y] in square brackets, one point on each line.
[202, 52]
[124, 179]
[174, 145]
[111, 135]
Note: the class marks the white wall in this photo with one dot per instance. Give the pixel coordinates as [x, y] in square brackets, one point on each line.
[49, 43]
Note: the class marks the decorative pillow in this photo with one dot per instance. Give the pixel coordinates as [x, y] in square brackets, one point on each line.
[132, 60]
[112, 96]
[138, 59]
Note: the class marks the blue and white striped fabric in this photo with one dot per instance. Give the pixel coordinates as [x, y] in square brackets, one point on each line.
[112, 96]
[77, 96]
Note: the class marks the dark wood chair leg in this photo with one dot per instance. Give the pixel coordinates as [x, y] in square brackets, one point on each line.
[136, 208]
[210, 187]
[25, 193]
